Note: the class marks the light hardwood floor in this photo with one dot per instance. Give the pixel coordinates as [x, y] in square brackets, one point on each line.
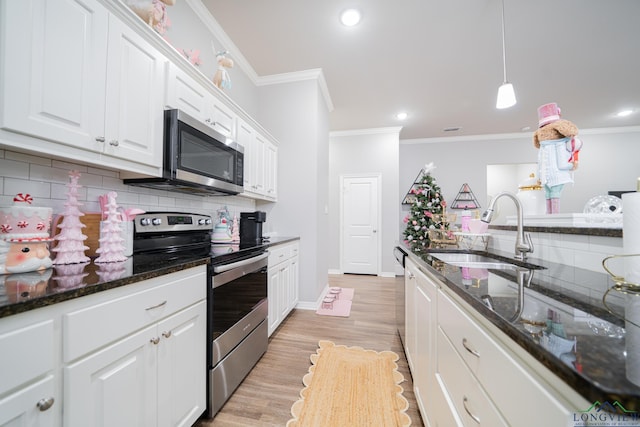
[266, 395]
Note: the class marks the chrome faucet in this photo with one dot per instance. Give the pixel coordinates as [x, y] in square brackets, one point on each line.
[523, 241]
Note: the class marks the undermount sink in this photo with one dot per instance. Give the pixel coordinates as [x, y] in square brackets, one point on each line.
[472, 260]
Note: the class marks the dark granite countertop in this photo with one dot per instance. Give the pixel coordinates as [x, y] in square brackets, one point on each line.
[585, 231]
[564, 323]
[27, 291]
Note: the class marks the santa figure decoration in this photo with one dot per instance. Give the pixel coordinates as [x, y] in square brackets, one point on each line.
[24, 236]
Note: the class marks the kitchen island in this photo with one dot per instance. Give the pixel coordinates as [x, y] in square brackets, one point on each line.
[573, 341]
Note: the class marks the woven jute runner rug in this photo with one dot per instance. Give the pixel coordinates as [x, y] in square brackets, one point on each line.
[351, 386]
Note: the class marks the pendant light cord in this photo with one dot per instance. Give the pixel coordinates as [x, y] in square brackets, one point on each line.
[504, 50]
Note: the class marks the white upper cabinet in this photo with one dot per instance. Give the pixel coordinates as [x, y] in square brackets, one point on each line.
[260, 163]
[54, 69]
[134, 94]
[76, 76]
[186, 94]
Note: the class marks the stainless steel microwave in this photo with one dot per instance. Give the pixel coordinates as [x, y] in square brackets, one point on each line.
[196, 159]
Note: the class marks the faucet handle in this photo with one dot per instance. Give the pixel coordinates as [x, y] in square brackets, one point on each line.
[529, 242]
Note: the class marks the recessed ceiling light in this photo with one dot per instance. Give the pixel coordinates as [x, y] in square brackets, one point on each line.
[624, 113]
[350, 17]
[402, 116]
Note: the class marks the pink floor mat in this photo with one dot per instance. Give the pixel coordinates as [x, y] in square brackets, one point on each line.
[341, 307]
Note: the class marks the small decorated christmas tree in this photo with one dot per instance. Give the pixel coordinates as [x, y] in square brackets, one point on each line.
[111, 242]
[427, 211]
[70, 248]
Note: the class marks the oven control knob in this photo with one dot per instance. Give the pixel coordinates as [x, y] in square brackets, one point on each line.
[204, 221]
[156, 221]
[145, 221]
[208, 221]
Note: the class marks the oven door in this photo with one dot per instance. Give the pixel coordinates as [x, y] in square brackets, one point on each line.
[237, 303]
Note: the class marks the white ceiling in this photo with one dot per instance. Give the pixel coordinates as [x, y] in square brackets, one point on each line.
[441, 61]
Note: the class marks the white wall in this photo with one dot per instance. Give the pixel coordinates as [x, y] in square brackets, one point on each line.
[297, 116]
[371, 151]
[609, 160]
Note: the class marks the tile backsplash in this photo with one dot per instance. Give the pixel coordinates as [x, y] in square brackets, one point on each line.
[46, 181]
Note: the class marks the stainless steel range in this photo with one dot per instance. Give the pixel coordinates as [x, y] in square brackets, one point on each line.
[237, 308]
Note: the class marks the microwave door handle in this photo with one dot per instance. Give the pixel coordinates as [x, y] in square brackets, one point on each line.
[227, 267]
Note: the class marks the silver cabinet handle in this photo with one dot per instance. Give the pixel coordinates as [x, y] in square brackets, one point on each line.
[166, 334]
[45, 404]
[100, 138]
[155, 340]
[411, 276]
[156, 306]
[114, 142]
[469, 349]
[464, 403]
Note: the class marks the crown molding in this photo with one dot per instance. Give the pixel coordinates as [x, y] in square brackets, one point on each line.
[518, 135]
[297, 76]
[216, 29]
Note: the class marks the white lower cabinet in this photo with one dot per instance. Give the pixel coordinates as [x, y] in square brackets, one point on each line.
[466, 372]
[130, 356]
[154, 377]
[420, 296]
[282, 282]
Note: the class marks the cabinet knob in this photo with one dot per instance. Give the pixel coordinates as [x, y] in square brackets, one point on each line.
[114, 142]
[155, 340]
[45, 404]
[166, 334]
[100, 138]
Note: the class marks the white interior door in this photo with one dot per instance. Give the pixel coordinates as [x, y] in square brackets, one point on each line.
[360, 214]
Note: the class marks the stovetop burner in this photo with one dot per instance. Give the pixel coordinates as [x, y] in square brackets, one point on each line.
[178, 235]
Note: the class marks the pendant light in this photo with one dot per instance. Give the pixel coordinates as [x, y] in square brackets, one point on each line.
[506, 94]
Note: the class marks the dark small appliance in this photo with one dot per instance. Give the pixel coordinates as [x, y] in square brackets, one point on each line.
[251, 226]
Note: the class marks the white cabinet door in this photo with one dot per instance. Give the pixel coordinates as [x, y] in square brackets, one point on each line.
[116, 386]
[273, 294]
[54, 67]
[246, 137]
[134, 95]
[410, 314]
[271, 170]
[284, 289]
[425, 362]
[182, 367]
[294, 272]
[185, 94]
[258, 164]
[222, 118]
[30, 406]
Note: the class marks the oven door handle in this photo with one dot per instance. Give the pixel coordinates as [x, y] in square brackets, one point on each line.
[227, 267]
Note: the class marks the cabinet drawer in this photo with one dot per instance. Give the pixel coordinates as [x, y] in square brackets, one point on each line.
[471, 402]
[499, 373]
[102, 322]
[279, 253]
[27, 353]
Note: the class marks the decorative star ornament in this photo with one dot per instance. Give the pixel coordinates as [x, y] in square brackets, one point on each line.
[429, 167]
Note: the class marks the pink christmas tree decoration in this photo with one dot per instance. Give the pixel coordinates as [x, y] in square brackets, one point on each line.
[111, 242]
[70, 276]
[112, 271]
[235, 232]
[70, 248]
